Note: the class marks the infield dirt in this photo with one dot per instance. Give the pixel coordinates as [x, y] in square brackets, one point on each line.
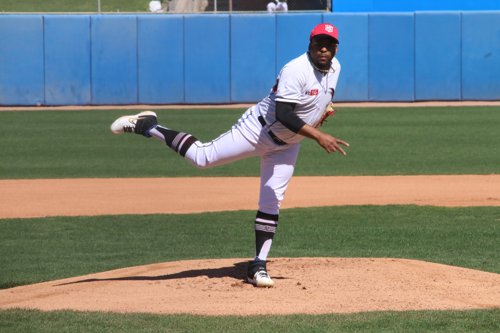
[217, 287]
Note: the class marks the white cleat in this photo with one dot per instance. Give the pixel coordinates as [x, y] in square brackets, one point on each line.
[261, 279]
[139, 123]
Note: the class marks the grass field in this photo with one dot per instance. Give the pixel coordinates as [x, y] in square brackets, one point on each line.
[35, 250]
[388, 141]
[66, 144]
[73, 6]
[485, 321]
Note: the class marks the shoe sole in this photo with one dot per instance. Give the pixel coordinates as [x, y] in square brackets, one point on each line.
[117, 125]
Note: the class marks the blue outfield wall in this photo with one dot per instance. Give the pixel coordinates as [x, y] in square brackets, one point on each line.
[67, 60]
[391, 49]
[198, 59]
[250, 79]
[207, 59]
[438, 59]
[114, 70]
[21, 60]
[353, 56]
[481, 56]
[160, 64]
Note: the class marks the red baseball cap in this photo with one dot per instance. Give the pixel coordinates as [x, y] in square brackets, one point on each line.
[325, 29]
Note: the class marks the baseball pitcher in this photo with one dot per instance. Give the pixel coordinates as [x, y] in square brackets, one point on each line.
[295, 108]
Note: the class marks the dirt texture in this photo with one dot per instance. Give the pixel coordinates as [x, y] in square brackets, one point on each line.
[75, 197]
[217, 287]
[303, 285]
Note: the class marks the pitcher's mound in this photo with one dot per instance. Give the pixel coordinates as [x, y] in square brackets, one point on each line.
[302, 285]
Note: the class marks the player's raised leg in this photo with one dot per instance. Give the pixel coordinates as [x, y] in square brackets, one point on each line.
[228, 147]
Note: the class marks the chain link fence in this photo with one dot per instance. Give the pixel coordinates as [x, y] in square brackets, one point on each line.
[261, 5]
[159, 6]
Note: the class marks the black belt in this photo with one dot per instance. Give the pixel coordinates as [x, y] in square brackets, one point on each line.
[273, 136]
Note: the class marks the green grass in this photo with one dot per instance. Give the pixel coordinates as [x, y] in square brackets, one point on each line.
[55, 144]
[43, 249]
[454, 140]
[21, 321]
[68, 144]
[73, 5]
[36, 250]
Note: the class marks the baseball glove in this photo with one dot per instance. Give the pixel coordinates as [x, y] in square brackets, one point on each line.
[329, 112]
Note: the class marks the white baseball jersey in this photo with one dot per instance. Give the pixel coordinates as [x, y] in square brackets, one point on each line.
[301, 83]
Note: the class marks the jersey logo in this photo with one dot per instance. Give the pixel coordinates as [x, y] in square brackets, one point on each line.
[313, 92]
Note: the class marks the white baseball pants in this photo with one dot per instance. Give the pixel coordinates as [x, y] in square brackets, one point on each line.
[248, 139]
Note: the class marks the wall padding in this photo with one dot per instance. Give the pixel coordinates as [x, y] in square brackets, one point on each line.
[161, 59]
[437, 56]
[253, 56]
[480, 56]
[114, 59]
[21, 60]
[391, 57]
[352, 55]
[67, 60]
[207, 58]
[221, 58]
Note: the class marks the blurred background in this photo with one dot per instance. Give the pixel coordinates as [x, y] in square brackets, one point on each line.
[173, 6]
[199, 6]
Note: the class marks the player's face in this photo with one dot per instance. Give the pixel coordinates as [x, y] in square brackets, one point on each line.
[322, 50]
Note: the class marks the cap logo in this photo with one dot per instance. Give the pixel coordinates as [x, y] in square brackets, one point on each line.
[329, 28]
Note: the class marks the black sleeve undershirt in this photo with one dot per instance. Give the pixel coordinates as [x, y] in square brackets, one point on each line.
[286, 116]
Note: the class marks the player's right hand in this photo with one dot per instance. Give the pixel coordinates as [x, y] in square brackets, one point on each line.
[325, 140]
[332, 144]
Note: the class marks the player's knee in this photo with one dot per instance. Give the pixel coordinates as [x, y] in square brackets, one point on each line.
[270, 207]
[203, 166]
[201, 163]
[198, 157]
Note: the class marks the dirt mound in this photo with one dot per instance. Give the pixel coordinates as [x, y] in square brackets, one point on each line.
[303, 285]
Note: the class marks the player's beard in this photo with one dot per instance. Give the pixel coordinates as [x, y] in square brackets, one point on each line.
[321, 66]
